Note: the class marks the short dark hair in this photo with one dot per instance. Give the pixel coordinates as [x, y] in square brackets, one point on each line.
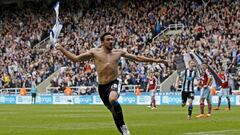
[105, 34]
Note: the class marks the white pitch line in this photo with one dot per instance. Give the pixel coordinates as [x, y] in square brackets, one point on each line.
[217, 132]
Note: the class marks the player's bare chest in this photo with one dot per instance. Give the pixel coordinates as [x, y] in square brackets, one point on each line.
[107, 58]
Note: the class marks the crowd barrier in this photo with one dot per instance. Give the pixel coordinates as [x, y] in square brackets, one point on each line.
[126, 99]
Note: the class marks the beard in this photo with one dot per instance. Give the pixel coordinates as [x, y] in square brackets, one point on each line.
[110, 47]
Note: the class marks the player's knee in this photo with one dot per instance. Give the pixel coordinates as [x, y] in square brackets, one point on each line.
[113, 96]
[190, 101]
[112, 99]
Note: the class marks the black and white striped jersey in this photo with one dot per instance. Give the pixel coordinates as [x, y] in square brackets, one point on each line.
[188, 75]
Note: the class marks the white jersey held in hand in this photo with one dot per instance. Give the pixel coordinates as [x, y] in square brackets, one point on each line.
[55, 31]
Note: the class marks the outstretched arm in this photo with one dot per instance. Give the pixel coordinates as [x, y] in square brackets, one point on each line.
[180, 75]
[147, 87]
[142, 58]
[75, 58]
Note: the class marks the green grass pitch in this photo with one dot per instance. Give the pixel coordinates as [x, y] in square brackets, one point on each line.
[97, 120]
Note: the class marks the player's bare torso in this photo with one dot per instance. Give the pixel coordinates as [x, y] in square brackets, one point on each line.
[106, 64]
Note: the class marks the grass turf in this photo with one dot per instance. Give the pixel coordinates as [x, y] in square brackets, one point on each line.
[97, 120]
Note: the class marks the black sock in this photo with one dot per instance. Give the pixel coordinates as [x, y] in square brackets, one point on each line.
[190, 107]
[118, 111]
[117, 114]
[116, 122]
[229, 102]
[219, 101]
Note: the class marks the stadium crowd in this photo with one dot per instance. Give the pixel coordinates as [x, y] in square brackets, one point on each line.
[212, 30]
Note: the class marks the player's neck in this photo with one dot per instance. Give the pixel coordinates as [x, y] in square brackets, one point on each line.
[106, 50]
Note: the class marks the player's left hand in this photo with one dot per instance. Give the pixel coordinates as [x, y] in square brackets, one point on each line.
[58, 46]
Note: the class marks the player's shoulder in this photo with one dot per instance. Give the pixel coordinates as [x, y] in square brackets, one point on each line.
[118, 51]
[95, 49]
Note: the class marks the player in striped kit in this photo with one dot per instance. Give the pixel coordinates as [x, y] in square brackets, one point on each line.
[206, 81]
[189, 75]
[224, 89]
